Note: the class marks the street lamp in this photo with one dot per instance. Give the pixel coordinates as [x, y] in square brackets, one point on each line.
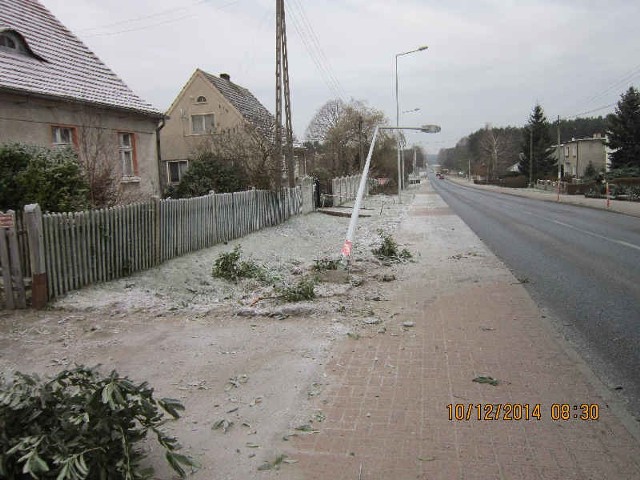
[346, 248]
[419, 49]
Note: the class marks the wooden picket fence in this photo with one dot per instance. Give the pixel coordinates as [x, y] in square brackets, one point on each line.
[12, 260]
[82, 248]
[344, 189]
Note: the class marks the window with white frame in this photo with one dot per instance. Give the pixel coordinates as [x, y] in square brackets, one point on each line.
[201, 99]
[202, 124]
[63, 136]
[176, 170]
[126, 146]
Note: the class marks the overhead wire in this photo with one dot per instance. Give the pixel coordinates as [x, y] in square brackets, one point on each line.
[156, 24]
[313, 51]
[322, 69]
[316, 42]
[626, 78]
[142, 17]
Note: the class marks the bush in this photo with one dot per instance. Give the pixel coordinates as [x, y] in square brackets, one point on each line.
[388, 250]
[229, 267]
[303, 290]
[324, 264]
[80, 425]
[211, 171]
[52, 178]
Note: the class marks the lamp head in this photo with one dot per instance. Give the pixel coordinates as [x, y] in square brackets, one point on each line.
[430, 128]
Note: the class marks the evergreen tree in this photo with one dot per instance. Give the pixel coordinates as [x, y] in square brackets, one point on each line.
[536, 139]
[52, 178]
[624, 131]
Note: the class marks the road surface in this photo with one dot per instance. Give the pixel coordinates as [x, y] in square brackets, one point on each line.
[580, 265]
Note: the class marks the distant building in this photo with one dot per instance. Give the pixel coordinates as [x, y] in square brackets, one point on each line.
[207, 105]
[576, 154]
[55, 92]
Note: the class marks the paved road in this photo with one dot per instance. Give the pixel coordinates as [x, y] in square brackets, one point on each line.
[579, 264]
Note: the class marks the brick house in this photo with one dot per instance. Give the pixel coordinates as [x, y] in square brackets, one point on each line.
[55, 92]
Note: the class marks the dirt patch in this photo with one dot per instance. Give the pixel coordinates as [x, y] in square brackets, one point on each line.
[245, 364]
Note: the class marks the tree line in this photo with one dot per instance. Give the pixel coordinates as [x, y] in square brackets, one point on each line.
[530, 150]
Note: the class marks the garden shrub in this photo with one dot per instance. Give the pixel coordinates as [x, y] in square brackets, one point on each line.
[229, 267]
[389, 250]
[304, 289]
[80, 425]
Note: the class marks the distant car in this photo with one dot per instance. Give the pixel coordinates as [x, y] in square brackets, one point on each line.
[440, 176]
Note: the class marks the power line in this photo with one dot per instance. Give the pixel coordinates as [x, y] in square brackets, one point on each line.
[143, 17]
[616, 84]
[591, 111]
[314, 50]
[145, 27]
[627, 77]
[316, 43]
[313, 55]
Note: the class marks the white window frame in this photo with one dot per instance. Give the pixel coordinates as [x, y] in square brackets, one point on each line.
[199, 124]
[127, 151]
[181, 170]
[57, 137]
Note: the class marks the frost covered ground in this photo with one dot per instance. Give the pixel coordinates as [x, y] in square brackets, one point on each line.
[287, 252]
[189, 334]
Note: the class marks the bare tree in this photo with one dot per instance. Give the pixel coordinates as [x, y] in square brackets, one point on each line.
[99, 155]
[343, 131]
[324, 121]
[490, 147]
[253, 148]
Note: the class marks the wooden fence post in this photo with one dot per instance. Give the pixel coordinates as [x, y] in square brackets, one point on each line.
[35, 237]
[7, 221]
[11, 269]
[157, 232]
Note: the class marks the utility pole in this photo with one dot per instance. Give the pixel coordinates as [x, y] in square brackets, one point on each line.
[415, 159]
[282, 78]
[531, 157]
[361, 161]
[559, 149]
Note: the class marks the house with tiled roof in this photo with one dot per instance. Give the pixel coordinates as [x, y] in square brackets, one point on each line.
[56, 92]
[207, 106]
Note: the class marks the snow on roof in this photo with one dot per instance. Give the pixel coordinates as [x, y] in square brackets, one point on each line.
[244, 101]
[56, 63]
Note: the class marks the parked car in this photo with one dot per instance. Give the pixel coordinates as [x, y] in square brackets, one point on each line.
[440, 176]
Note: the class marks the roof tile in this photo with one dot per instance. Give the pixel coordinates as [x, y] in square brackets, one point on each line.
[244, 101]
[68, 68]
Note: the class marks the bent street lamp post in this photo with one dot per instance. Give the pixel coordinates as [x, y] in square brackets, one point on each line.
[419, 49]
[348, 243]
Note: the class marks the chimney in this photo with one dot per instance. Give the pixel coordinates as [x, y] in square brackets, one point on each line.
[225, 76]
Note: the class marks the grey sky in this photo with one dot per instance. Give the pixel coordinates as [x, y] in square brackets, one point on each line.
[489, 61]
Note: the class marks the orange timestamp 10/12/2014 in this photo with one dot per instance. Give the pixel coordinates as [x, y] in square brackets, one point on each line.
[522, 411]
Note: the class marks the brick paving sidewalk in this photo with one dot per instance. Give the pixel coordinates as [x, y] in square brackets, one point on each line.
[387, 393]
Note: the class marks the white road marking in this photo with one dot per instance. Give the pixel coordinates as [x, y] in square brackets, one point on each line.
[613, 240]
[602, 237]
